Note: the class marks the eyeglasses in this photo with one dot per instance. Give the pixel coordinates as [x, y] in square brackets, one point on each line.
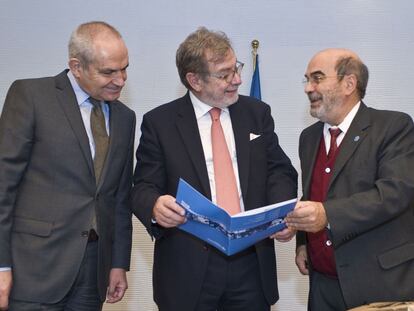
[228, 76]
[317, 79]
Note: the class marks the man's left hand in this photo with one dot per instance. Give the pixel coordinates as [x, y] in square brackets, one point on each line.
[307, 216]
[284, 235]
[117, 285]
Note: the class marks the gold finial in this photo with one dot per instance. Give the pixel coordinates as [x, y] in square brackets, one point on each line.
[255, 44]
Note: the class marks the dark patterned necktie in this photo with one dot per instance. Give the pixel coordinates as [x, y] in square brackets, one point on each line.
[334, 135]
[100, 137]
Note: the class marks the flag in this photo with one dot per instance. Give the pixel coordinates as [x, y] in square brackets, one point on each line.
[255, 87]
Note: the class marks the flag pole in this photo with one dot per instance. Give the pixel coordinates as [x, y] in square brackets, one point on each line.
[255, 86]
[255, 46]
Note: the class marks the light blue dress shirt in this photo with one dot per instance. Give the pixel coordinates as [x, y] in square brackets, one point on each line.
[85, 108]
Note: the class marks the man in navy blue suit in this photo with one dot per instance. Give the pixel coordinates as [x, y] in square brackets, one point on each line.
[176, 142]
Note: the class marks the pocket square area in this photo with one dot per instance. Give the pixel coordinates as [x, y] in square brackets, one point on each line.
[253, 136]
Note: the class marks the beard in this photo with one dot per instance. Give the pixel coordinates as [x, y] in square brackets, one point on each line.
[323, 106]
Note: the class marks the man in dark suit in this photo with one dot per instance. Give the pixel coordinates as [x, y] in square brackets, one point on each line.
[66, 154]
[357, 216]
[177, 142]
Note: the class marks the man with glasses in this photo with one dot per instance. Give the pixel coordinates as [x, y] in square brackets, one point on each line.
[356, 217]
[181, 139]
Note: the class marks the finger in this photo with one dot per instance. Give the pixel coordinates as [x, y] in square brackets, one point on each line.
[167, 223]
[167, 217]
[110, 292]
[303, 265]
[168, 202]
[117, 295]
[285, 235]
[173, 215]
[174, 206]
[300, 213]
[300, 227]
[170, 220]
[303, 268]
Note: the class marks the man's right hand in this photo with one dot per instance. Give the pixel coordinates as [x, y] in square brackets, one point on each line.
[6, 281]
[302, 259]
[167, 213]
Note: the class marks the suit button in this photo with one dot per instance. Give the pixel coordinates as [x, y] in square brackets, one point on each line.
[328, 243]
[205, 248]
[84, 234]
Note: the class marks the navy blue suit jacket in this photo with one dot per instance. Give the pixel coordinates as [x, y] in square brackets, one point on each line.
[171, 148]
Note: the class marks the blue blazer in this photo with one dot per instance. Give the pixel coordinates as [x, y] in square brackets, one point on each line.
[170, 148]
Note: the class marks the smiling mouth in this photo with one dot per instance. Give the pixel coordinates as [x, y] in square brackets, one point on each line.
[232, 91]
[313, 98]
[114, 90]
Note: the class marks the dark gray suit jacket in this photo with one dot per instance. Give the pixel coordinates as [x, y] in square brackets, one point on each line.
[48, 190]
[171, 148]
[369, 205]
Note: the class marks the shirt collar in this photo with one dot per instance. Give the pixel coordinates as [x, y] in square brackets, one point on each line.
[346, 123]
[201, 108]
[81, 95]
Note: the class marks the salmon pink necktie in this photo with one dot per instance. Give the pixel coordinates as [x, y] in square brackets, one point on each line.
[226, 186]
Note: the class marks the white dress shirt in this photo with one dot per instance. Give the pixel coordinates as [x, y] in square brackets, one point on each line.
[343, 126]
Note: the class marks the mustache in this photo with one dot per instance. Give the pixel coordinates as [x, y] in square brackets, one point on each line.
[314, 96]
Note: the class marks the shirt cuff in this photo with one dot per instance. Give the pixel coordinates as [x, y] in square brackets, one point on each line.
[5, 269]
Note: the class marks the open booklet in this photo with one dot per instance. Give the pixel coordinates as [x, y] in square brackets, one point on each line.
[229, 234]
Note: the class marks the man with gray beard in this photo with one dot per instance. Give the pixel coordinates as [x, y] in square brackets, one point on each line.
[355, 220]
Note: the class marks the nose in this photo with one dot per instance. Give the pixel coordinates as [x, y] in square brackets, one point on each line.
[236, 79]
[309, 87]
[119, 78]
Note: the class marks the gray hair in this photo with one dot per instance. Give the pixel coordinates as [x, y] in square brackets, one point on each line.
[81, 42]
[351, 65]
[191, 54]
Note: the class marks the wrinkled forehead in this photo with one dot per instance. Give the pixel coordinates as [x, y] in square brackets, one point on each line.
[225, 61]
[217, 56]
[326, 60]
[322, 63]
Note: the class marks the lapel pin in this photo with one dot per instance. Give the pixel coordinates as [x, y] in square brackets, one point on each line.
[356, 138]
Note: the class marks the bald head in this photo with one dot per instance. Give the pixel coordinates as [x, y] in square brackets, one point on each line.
[333, 54]
[336, 82]
[92, 37]
[341, 62]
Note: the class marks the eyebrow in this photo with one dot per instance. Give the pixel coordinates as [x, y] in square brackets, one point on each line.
[113, 70]
[228, 68]
[315, 73]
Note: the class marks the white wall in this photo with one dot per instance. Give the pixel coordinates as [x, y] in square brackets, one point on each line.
[34, 35]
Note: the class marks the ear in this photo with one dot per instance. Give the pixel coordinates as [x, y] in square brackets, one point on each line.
[194, 80]
[75, 67]
[350, 84]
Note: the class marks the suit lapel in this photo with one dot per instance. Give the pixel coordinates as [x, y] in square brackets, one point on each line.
[67, 100]
[311, 141]
[353, 138]
[188, 129]
[242, 140]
